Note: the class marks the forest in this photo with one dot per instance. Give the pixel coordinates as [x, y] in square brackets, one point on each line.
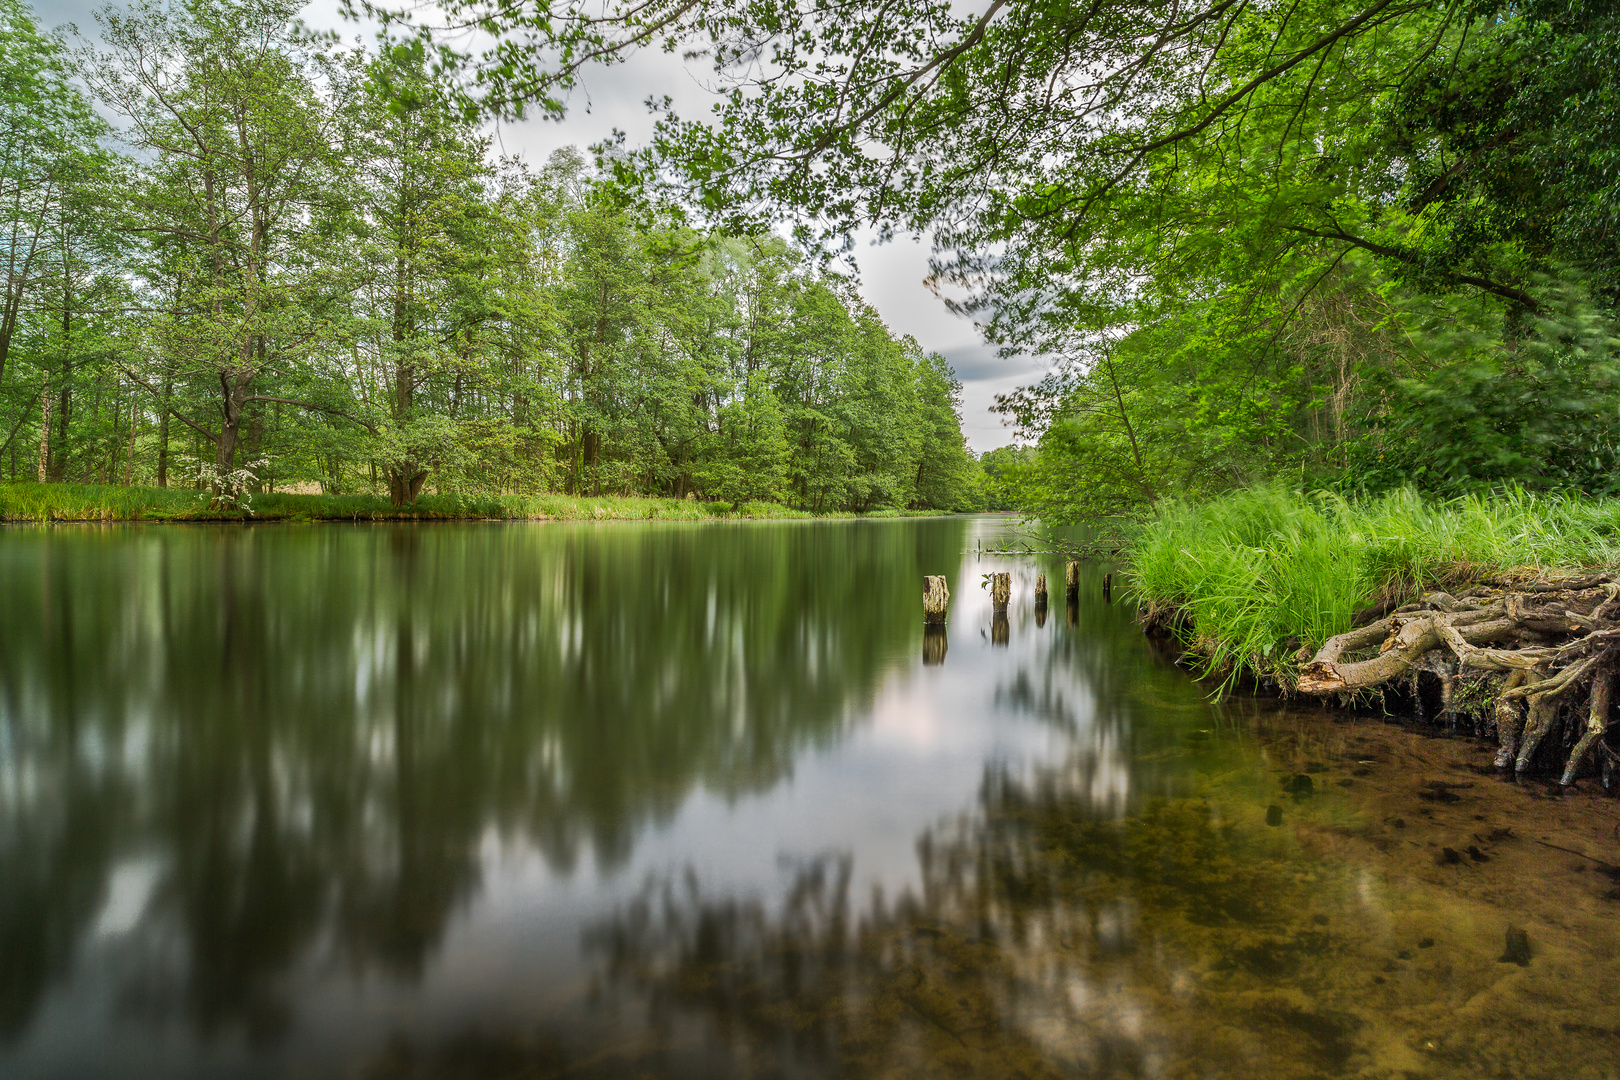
[242, 257]
[1353, 245]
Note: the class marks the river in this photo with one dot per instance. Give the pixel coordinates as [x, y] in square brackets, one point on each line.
[534, 800]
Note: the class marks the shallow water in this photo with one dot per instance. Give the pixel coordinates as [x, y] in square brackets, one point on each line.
[642, 800]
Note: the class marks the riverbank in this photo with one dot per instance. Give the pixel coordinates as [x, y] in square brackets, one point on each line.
[1488, 611]
[31, 502]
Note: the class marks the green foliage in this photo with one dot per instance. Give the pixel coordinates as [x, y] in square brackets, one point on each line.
[311, 258]
[1514, 141]
[1541, 411]
[1266, 570]
[1236, 227]
[750, 462]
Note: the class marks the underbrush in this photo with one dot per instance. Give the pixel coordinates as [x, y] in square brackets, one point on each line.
[91, 502]
[1255, 575]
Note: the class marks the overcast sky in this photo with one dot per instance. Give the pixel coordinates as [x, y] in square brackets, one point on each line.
[891, 274]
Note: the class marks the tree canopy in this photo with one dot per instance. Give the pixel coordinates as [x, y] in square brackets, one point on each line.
[1364, 243]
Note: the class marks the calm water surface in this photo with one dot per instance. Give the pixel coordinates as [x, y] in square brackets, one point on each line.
[645, 800]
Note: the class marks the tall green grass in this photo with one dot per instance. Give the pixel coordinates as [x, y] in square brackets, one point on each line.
[90, 502]
[1264, 571]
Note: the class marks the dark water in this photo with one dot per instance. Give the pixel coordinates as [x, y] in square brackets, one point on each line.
[636, 800]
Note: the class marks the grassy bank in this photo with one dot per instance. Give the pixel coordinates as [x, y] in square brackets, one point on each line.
[1263, 571]
[89, 502]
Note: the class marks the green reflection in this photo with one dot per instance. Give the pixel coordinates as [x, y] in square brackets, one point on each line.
[1071, 926]
[307, 732]
[235, 762]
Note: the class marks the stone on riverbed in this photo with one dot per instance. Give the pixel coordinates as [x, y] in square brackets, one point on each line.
[1518, 948]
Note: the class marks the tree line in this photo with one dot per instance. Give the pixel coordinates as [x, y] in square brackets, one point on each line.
[285, 263]
[1359, 244]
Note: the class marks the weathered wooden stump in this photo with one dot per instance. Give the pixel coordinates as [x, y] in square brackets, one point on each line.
[1000, 591]
[1108, 588]
[1000, 629]
[1071, 611]
[1071, 579]
[936, 599]
[1040, 590]
[934, 644]
[1040, 616]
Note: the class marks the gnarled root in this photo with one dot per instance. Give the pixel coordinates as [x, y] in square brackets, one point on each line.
[1544, 700]
[1509, 720]
[1597, 722]
[1547, 640]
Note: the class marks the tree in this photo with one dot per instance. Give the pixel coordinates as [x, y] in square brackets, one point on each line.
[946, 474]
[446, 275]
[312, 270]
[223, 95]
[50, 163]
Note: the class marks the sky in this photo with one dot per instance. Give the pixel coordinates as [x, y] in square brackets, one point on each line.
[891, 275]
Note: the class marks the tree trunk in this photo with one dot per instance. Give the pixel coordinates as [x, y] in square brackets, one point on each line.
[134, 422]
[233, 403]
[163, 433]
[44, 435]
[405, 486]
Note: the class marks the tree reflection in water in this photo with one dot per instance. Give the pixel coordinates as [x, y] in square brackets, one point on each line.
[1067, 925]
[1049, 937]
[244, 774]
[1046, 940]
[304, 735]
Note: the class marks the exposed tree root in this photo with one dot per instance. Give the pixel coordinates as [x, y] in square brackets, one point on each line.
[1551, 649]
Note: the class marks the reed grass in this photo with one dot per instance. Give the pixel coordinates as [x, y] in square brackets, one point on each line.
[1264, 571]
[32, 502]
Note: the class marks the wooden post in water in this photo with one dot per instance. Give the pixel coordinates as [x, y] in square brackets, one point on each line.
[1000, 591]
[1071, 579]
[1108, 588]
[1040, 590]
[936, 598]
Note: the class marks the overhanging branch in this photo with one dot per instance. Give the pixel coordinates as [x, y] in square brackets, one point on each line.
[1496, 288]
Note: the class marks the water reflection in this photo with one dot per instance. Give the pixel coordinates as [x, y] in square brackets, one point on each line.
[1047, 939]
[547, 801]
[304, 735]
[1040, 901]
[1000, 629]
[1125, 908]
